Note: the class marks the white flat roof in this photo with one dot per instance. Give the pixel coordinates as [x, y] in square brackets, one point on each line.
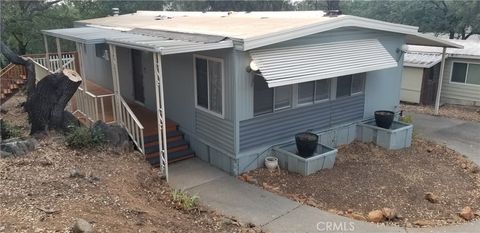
[471, 48]
[256, 29]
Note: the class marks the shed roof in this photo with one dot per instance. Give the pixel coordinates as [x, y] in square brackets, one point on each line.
[428, 56]
[256, 29]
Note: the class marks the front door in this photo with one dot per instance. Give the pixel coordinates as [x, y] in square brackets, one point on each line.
[137, 68]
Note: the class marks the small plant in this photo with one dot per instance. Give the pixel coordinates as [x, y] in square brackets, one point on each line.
[81, 137]
[406, 119]
[9, 131]
[184, 200]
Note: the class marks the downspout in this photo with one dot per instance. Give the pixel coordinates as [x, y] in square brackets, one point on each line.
[439, 88]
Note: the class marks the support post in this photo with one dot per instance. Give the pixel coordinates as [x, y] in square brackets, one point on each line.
[161, 119]
[116, 82]
[47, 54]
[440, 79]
[59, 53]
[80, 50]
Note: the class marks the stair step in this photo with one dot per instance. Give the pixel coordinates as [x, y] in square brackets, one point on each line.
[169, 150]
[172, 157]
[153, 146]
[152, 138]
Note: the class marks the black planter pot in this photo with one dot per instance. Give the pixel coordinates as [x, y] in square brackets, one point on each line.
[306, 144]
[384, 119]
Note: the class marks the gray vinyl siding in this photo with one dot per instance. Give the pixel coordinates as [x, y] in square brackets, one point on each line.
[458, 92]
[280, 126]
[215, 130]
[97, 69]
[179, 86]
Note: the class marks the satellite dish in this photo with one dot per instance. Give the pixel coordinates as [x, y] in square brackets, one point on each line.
[253, 66]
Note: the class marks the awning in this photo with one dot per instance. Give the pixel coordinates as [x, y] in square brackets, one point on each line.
[129, 39]
[421, 60]
[297, 64]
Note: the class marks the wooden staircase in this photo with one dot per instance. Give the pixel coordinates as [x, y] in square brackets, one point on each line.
[178, 148]
[12, 79]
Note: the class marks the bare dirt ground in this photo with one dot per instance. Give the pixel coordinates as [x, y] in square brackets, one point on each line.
[468, 113]
[366, 178]
[48, 189]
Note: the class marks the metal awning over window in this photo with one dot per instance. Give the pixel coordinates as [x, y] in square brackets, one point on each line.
[297, 64]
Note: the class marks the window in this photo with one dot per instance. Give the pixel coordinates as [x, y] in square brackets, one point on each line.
[209, 84]
[283, 97]
[349, 85]
[262, 96]
[267, 100]
[101, 50]
[310, 92]
[322, 89]
[467, 73]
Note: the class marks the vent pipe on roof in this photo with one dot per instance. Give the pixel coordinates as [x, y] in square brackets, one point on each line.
[333, 8]
[115, 11]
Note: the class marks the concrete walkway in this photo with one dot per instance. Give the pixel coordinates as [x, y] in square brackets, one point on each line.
[251, 204]
[462, 136]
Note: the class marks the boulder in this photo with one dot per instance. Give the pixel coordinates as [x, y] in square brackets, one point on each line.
[114, 135]
[389, 213]
[17, 146]
[467, 213]
[375, 216]
[82, 226]
[357, 216]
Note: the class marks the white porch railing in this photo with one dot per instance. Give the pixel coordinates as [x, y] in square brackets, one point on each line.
[67, 61]
[94, 107]
[131, 123]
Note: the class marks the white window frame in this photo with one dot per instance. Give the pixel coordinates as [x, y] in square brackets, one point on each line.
[195, 56]
[466, 74]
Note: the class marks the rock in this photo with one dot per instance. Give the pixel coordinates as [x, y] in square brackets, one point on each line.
[474, 169]
[375, 216]
[464, 166]
[389, 213]
[349, 211]
[76, 174]
[467, 213]
[422, 223]
[4, 154]
[82, 226]
[114, 135]
[432, 198]
[357, 216]
[429, 150]
[17, 146]
[252, 181]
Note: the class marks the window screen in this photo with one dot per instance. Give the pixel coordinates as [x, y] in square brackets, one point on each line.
[262, 96]
[215, 86]
[283, 97]
[344, 85]
[202, 82]
[322, 89]
[306, 92]
[459, 72]
[473, 76]
[357, 84]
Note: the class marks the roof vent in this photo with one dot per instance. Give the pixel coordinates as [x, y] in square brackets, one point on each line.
[333, 13]
[333, 8]
[162, 17]
[115, 11]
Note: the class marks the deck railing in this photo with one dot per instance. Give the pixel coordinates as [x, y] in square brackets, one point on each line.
[132, 125]
[11, 78]
[94, 107]
[68, 60]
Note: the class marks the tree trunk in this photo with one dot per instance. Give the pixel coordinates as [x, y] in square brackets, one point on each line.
[46, 100]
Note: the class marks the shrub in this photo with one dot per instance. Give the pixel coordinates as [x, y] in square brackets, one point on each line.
[9, 131]
[184, 200]
[80, 137]
[406, 119]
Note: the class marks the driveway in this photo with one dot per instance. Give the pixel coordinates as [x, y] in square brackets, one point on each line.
[462, 136]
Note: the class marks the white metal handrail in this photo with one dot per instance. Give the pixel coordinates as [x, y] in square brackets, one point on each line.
[131, 123]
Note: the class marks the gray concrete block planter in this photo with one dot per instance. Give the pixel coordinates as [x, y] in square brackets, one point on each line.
[397, 137]
[323, 158]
